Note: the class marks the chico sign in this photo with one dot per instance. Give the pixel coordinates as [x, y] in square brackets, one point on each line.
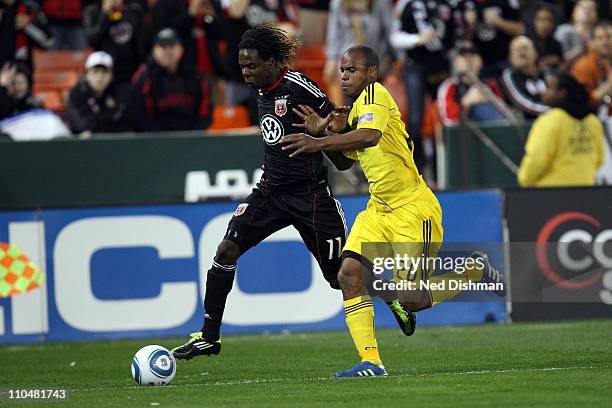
[141, 272]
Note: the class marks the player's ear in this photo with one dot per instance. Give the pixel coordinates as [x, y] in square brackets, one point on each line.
[372, 73]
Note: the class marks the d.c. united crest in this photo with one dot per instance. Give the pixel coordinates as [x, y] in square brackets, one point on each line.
[280, 107]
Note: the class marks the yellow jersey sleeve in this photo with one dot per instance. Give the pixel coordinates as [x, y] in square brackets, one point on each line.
[373, 108]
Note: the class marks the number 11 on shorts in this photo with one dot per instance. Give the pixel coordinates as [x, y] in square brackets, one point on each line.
[331, 247]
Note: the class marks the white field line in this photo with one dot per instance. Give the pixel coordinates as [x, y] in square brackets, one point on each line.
[321, 379]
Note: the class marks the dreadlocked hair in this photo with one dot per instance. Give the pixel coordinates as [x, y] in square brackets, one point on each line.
[270, 42]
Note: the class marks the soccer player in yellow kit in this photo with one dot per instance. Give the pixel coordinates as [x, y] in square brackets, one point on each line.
[402, 208]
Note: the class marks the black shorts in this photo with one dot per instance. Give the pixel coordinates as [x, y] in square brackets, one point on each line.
[316, 215]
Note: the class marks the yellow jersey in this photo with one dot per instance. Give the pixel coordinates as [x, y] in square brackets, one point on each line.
[393, 177]
[562, 151]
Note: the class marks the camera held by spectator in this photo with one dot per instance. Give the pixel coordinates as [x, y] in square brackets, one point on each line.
[465, 93]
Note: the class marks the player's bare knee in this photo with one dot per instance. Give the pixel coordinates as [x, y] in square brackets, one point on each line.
[350, 278]
[227, 253]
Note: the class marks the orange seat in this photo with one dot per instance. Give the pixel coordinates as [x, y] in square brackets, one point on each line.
[310, 60]
[53, 61]
[230, 117]
[42, 88]
[51, 100]
[60, 80]
[310, 55]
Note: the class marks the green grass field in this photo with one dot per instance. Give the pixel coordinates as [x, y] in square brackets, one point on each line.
[550, 364]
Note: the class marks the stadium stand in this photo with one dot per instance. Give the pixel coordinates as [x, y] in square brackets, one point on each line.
[55, 74]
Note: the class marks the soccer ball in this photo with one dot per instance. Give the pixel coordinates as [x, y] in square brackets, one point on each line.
[153, 365]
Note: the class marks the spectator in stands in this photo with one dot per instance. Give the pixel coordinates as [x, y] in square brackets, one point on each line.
[97, 104]
[524, 83]
[424, 30]
[352, 22]
[239, 16]
[200, 28]
[550, 54]
[16, 90]
[116, 27]
[498, 21]
[593, 69]
[465, 92]
[168, 95]
[23, 26]
[313, 16]
[465, 17]
[567, 6]
[66, 23]
[565, 145]
[576, 35]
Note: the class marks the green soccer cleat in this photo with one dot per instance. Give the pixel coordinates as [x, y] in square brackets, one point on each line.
[405, 318]
[196, 346]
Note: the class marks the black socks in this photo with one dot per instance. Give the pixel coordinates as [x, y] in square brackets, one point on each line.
[219, 282]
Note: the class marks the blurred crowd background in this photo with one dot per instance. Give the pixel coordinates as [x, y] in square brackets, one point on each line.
[171, 65]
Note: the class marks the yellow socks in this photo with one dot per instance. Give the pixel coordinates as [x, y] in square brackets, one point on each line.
[360, 321]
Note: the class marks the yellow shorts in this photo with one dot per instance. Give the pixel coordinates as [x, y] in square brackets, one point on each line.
[414, 230]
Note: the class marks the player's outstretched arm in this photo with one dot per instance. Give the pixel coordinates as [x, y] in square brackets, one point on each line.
[316, 125]
[354, 140]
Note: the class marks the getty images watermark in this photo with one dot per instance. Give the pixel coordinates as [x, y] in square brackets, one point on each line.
[461, 272]
[454, 273]
[570, 270]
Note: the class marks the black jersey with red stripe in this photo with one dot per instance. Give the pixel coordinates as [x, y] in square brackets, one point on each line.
[275, 120]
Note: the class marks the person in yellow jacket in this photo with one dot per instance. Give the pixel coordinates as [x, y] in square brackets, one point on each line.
[565, 145]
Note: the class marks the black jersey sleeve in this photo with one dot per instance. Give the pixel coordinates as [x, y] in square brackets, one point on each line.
[307, 92]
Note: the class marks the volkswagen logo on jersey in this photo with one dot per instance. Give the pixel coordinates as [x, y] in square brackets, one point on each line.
[271, 129]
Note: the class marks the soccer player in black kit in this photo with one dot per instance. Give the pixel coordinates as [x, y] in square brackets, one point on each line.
[290, 192]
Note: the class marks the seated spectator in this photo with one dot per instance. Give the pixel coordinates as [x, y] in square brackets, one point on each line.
[565, 145]
[498, 21]
[523, 83]
[23, 26]
[550, 54]
[116, 27]
[575, 35]
[168, 95]
[16, 90]
[66, 23]
[21, 118]
[97, 104]
[593, 70]
[463, 92]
